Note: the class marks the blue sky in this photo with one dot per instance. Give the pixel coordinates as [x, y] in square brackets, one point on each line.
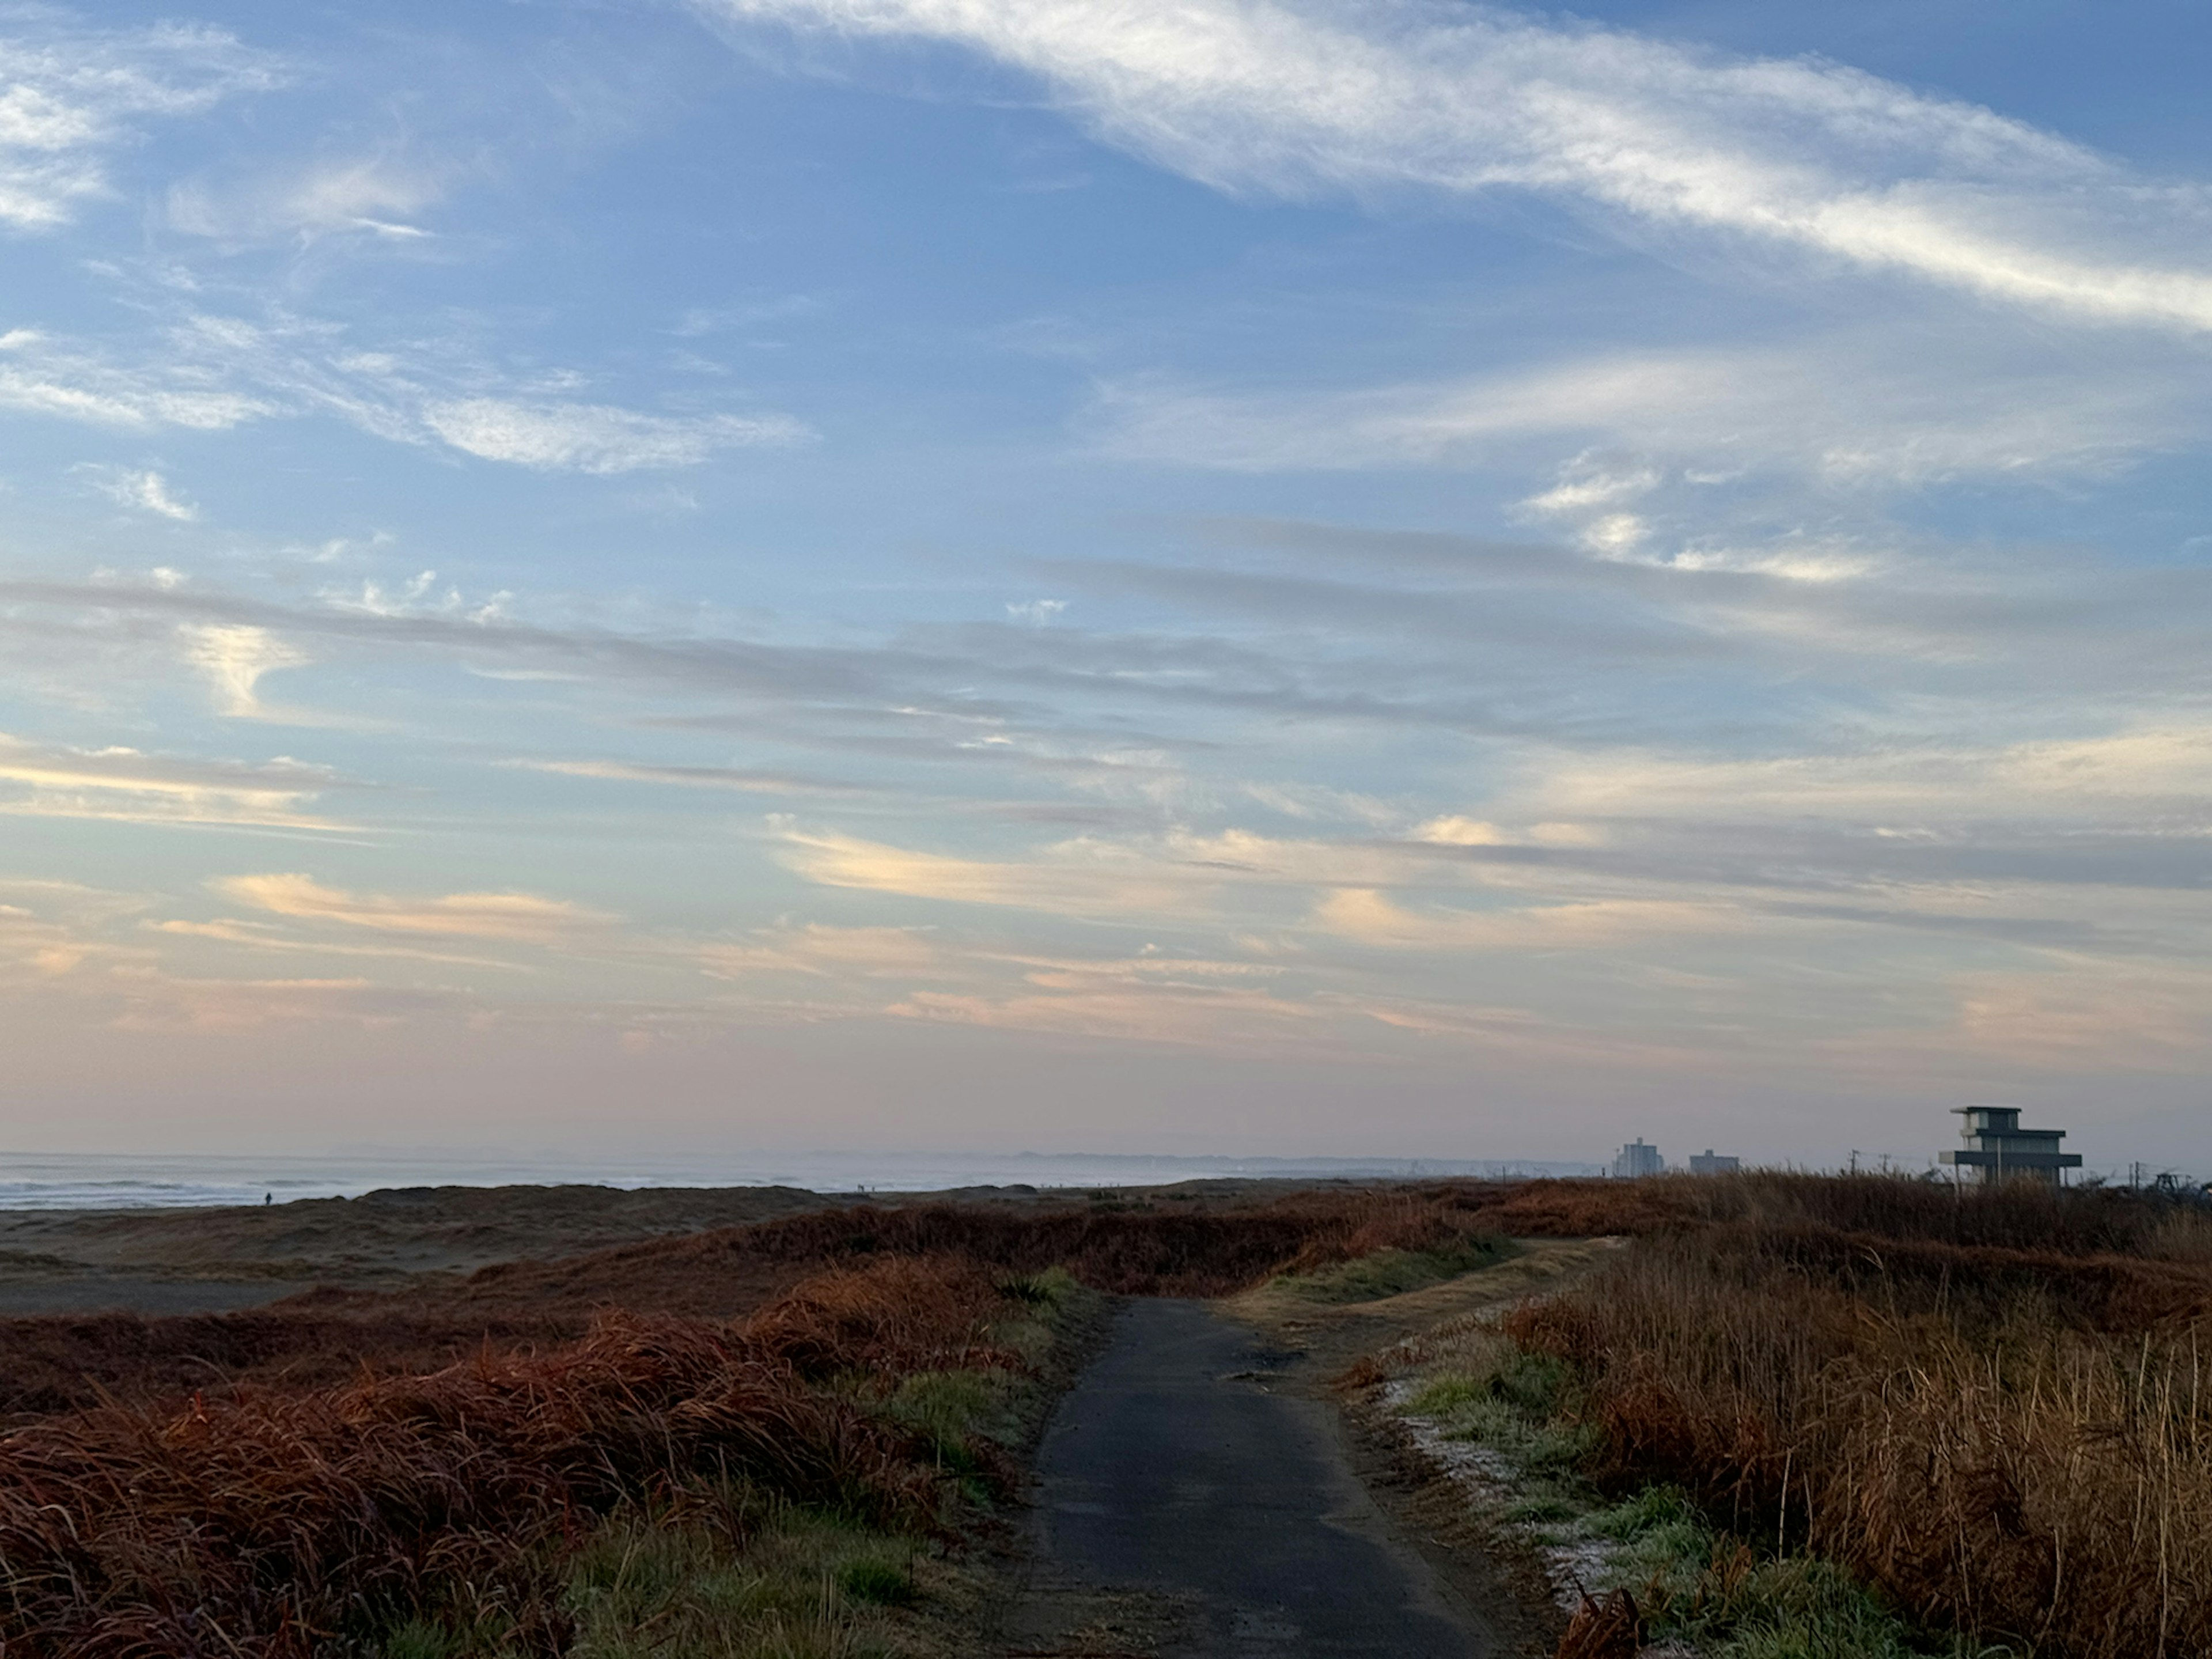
[1266, 578]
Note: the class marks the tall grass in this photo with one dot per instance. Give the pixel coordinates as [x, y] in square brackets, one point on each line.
[326, 1337]
[1993, 1406]
[1139, 1249]
[270, 1517]
[273, 1522]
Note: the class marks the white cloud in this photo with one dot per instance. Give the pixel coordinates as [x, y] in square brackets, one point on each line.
[518, 918]
[1589, 482]
[1077, 878]
[1855, 408]
[2142, 775]
[264, 936]
[593, 438]
[126, 786]
[1132, 1008]
[2084, 1015]
[69, 98]
[823, 951]
[373, 196]
[1368, 917]
[145, 491]
[210, 373]
[753, 780]
[39, 376]
[233, 657]
[1796, 154]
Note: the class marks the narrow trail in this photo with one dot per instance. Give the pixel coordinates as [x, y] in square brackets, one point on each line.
[1187, 1509]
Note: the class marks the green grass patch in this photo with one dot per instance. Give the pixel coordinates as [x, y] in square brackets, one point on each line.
[736, 1574]
[1393, 1272]
[801, 1584]
[1517, 1406]
[879, 1582]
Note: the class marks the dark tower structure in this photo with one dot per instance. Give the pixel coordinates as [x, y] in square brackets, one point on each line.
[1997, 1148]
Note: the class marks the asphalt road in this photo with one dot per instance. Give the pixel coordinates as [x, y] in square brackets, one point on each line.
[1175, 1476]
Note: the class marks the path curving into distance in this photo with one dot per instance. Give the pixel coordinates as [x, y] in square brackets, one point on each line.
[1186, 1509]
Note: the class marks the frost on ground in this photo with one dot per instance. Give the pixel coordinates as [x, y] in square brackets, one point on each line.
[1574, 1560]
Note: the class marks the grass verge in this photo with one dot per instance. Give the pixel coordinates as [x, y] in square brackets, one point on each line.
[1512, 1427]
[723, 1570]
[787, 1581]
[1395, 1271]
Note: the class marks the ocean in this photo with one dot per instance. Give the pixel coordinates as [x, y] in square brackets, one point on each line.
[102, 1181]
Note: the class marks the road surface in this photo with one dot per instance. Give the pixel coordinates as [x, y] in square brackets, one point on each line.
[1192, 1503]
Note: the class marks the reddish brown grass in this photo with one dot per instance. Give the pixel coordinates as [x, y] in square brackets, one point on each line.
[328, 1336]
[273, 1522]
[1611, 1629]
[282, 1509]
[2009, 1431]
[1162, 1250]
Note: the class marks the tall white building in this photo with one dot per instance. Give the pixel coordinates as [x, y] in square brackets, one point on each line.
[1639, 1158]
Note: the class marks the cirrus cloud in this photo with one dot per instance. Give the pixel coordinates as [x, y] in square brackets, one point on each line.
[1798, 154]
[595, 438]
[69, 98]
[517, 918]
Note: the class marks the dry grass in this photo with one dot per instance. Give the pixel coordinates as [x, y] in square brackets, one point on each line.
[1991, 1406]
[327, 1337]
[277, 1513]
[286, 1521]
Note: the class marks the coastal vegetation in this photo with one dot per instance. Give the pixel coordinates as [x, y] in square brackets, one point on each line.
[1836, 1415]
[1773, 1416]
[595, 1474]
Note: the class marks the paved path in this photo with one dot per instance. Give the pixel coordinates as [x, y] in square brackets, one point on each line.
[1211, 1515]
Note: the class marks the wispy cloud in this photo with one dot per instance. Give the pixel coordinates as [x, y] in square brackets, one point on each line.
[124, 784]
[207, 372]
[749, 779]
[594, 438]
[164, 1003]
[514, 918]
[2142, 775]
[57, 931]
[1367, 917]
[70, 98]
[374, 196]
[1880, 408]
[1796, 154]
[40, 375]
[234, 657]
[262, 936]
[1080, 878]
[1234, 1018]
[820, 951]
[142, 490]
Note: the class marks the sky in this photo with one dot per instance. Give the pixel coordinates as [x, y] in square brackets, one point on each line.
[1253, 576]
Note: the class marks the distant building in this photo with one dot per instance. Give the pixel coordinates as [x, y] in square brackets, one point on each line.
[1637, 1159]
[1709, 1162]
[1997, 1148]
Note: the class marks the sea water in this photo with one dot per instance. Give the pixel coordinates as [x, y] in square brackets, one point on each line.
[73, 1180]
